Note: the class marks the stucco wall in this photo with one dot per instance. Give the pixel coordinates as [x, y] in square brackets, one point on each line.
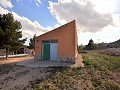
[67, 40]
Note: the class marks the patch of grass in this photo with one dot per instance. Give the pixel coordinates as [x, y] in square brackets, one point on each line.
[96, 82]
[101, 72]
[34, 86]
[109, 86]
[87, 62]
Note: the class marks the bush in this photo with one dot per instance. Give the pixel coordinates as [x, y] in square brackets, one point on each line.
[87, 62]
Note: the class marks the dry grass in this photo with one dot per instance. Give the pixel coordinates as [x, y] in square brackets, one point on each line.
[101, 72]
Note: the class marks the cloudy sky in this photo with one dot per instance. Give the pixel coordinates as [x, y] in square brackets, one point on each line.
[95, 19]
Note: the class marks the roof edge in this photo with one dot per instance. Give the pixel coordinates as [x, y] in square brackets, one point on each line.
[56, 28]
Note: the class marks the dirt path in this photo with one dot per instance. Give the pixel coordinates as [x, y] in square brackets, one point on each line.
[12, 60]
[13, 77]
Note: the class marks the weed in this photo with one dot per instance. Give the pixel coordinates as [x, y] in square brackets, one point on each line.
[96, 82]
[87, 62]
[109, 86]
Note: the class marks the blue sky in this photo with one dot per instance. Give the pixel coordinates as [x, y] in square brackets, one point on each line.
[95, 19]
[29, 9]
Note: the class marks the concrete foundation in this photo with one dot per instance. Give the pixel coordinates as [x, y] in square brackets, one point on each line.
[60, 59]
[37, 57]
[66, 60]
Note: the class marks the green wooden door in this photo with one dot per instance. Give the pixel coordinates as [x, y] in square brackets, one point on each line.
[46, 52]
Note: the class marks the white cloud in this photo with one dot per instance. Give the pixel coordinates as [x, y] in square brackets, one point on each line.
[38, 2]
[116, 19]
[83, 11]
[29, 28]
[95, 18]
[104, 6]
[3, 11]
[109, 34]
[6, 3]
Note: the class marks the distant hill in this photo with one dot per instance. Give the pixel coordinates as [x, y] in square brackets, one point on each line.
[115, 44]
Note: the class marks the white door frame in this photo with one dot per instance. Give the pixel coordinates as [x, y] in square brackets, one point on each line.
[56, 43]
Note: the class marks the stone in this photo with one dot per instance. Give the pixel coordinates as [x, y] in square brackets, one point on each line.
[66, 59]
[37, 57]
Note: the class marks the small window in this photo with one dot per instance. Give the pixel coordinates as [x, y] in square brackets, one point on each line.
[37, 40]
[54, 41]
[50, 41]
[46, 41]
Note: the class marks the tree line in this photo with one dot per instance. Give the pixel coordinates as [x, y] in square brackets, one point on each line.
[90, 46]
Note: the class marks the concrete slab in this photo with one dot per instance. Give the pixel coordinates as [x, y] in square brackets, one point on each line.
[35, 63]
[47, 63]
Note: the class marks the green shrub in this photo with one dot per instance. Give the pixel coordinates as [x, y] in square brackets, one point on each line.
[87, 62]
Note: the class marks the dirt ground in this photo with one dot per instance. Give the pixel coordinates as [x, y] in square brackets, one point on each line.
[14, 77]
[12, 60]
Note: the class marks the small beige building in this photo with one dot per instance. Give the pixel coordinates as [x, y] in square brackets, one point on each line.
[59, 44]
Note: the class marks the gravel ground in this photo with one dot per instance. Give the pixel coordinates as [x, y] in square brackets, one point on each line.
[15, 77]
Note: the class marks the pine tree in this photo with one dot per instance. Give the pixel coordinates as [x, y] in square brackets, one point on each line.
[32, 42]
[91, 45]
[10, 36]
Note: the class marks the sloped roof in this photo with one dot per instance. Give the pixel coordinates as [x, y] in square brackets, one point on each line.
[56, 28]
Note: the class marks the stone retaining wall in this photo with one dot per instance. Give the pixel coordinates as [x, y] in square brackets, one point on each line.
[60, 59]
[66, 59]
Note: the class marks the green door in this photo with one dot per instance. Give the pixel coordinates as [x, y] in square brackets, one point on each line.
[46, 51]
